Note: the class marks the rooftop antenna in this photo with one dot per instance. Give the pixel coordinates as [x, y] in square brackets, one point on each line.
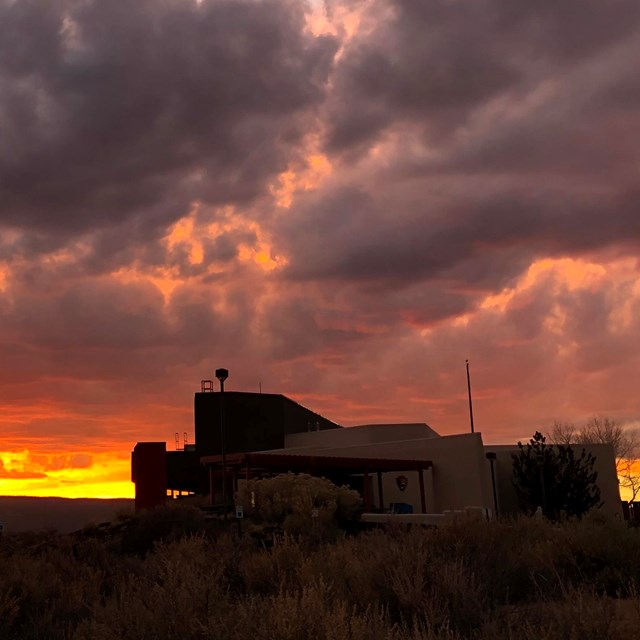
[177, 441]
[185, 441]
[470, 403]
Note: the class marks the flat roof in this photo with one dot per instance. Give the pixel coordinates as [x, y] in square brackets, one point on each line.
[292, 462]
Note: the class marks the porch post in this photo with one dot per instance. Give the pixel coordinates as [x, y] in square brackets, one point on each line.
[423, 503]
[212, 486]
[367, 499]
[380, 496]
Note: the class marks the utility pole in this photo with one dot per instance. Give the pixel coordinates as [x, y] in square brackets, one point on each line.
[470, 403]
[222, 375]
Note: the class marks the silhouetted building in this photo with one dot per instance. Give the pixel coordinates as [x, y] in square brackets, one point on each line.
[406, 469]
[253, 422]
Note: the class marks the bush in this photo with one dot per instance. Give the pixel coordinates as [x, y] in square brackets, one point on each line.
[524, 579]
[143, 530]
[299, 503]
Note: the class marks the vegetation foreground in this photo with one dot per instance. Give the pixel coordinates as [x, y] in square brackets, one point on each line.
[167, 574]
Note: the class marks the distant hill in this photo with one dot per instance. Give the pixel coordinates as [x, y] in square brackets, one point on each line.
[62, 514]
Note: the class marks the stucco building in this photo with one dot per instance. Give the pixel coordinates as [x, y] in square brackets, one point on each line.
[398, 467]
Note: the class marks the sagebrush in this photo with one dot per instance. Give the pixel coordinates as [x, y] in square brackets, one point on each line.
[520, 579]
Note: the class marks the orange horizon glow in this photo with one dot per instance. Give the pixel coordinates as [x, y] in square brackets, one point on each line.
[65, 475]
[87, 482]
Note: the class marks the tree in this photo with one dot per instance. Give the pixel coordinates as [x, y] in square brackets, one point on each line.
[555, 479]
[604, 430]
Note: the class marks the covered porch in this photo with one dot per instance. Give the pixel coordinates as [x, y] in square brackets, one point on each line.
[358, 473]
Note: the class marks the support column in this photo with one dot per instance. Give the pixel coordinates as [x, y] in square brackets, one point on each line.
[367, 498]
[212, 486]
[380, 495]
[423, 503]
[429, 489]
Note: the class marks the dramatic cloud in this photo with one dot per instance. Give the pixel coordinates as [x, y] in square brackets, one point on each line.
[337, 200]
[118, 113]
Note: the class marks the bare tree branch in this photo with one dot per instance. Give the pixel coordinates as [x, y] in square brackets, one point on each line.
[605, 430]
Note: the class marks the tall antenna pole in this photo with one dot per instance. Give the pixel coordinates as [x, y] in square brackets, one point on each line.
[222, 375]
[470, 403]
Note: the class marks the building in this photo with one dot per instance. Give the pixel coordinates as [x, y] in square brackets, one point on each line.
[254, 422]
[407, 468]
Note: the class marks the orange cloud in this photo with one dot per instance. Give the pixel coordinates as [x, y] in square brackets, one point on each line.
[338, 21]
[305, 177]
[574, 273]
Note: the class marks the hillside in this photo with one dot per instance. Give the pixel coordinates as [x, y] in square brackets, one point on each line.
[150, 578]
[63, 514]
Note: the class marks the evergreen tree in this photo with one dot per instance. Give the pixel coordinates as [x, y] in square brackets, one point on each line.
[555, 479]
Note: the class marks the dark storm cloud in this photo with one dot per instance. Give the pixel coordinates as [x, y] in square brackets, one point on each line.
[224, 247]
[399, 235]
[434, 62]
[124, 321]
[471, 138]
[117, 110]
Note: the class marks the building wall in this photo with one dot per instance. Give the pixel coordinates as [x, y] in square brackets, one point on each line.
[253, 421]
[149, 473]
[185, 473]
[605, 465]
[460, 476]
[299, 419]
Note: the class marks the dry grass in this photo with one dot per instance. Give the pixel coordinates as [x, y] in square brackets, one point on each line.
[521, 579]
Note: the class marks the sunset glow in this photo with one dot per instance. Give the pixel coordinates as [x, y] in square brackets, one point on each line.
[336, 201]
[66, 475]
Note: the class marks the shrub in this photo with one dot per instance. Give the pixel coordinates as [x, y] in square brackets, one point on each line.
[140, 532]
[291, 500]
[525, 579]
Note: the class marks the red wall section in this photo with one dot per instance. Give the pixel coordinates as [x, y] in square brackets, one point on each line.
[149, 474]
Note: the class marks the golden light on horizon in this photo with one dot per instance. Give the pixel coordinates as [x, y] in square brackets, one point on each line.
[65, 475]
[625, 492]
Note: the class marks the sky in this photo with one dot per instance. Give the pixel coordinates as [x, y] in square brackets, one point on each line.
[340, 201]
